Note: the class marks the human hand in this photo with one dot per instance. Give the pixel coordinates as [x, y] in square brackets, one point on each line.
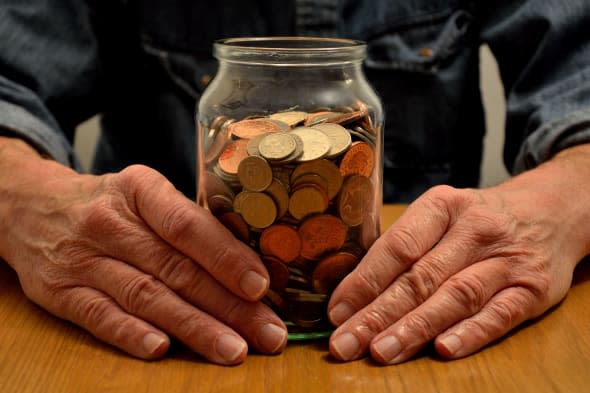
[130, 259]
[462, 268]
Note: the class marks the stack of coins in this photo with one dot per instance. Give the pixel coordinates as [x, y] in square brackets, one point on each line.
[301, 189]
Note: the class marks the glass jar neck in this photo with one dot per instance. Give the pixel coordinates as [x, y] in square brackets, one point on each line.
[290, 51]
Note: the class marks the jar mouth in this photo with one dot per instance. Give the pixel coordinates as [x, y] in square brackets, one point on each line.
[289, 50]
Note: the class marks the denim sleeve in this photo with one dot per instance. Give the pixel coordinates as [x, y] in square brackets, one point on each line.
[48, 70]
[543, 52]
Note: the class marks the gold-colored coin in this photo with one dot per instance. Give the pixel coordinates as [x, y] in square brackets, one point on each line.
[258, 209]
[277, 146]
[316, 144]
[339, 138]
[326, 169]
[254, 173]
[292, 118]
[307, 200]
[280, 196]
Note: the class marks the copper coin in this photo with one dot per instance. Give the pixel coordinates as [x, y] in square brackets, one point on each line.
[280, 241]
[331, 270]
[236, 224]
[326, 169]
[359, 159]
[232, 155]
[254, 173]
[219, 204]
[307, 200]
[279, 194]
[249, 128]
[320, 235]
[257, 209]
[278, 272]
[319, 117]
[355, 199]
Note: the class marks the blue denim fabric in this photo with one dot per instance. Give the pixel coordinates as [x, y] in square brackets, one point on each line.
[143, 65]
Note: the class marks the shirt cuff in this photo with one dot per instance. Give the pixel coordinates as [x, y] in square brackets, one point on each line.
[553, 137]
[17, 121]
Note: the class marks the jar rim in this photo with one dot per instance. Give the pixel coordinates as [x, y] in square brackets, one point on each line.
[289, 50]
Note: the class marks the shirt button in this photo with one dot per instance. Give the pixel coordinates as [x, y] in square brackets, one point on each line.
[425, 52]
[205, 79]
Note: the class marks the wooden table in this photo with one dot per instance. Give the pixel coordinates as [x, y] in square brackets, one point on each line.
[40, 353]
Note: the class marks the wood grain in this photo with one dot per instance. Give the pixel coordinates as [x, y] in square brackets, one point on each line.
[40, 353]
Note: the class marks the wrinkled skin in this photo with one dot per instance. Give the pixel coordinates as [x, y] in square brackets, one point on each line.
[130, 259]
[464, 267]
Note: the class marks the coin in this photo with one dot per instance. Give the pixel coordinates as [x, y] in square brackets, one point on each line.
[232, 155]
[236, 225]
[340, 138]
[280, 241]
[254, 173]
[307, 200]
[279, 194]
[326, 169]
[359, 159]
[278, 272]
[316, 144]
[355, 199]
[292, 118]
[277, 146]
[249, 128]
[331, 270]
[258, 209]
[219, 204]
[310, 178]
[321, 234]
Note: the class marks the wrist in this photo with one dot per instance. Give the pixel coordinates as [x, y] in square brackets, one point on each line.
[555, 193]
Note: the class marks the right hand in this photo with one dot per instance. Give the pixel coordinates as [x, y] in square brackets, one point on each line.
[129, 258]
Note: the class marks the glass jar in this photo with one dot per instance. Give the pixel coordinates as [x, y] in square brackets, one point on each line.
[290, 160]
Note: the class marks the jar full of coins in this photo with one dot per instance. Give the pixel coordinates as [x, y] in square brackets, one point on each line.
[290, 161]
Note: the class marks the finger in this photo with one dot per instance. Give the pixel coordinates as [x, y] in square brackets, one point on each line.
[194, 231]
[462, 296]
[150, 254]
[406, 241]
[386, 328]
[504, 312]
[147, 298]
[103, 318]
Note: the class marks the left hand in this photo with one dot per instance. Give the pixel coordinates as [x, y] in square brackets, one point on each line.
[462, 268]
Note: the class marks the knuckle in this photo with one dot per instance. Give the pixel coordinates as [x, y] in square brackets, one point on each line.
[177, 271]
[470, 294]
[93, 312]
[405, 243]
[418, 283]
[378, 318]
[139, 292]
[419, 326]
[176, 222]
[369, 283]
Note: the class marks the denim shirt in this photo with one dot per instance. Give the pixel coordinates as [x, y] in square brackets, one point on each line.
[144, 64]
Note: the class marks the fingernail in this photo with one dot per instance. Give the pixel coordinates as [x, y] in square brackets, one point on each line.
[452, 343]
[271, 337]
[340, 313]
[347, 346]
[229, 347]
[152, 342]
[253, 284]
[388, 348]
